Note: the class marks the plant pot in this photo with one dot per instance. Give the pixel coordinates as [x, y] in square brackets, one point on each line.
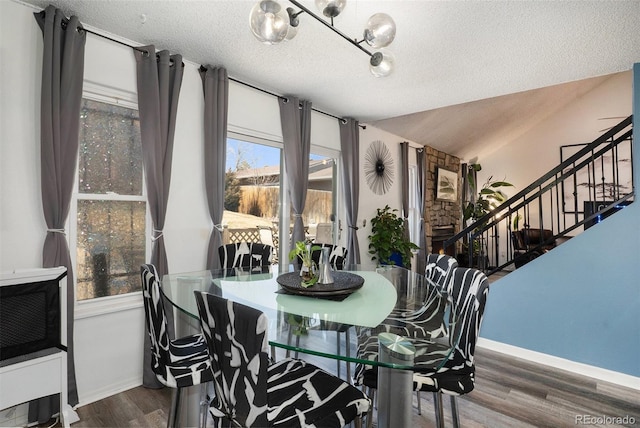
[395, 259]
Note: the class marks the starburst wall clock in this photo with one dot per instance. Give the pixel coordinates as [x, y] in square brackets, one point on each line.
[378, 167]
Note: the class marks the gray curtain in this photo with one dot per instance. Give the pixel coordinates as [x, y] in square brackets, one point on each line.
[295, 119]
[350, 149]
[159, 80]
[421, 263]
[404, 177]
[62, 74]
[215, 84]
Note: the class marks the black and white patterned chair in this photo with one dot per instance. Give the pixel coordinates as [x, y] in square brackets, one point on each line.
[245, 255]
[468, 290]
[177, 363]
[440, 268]
[337, 255]
[251, 392]
[426, 322]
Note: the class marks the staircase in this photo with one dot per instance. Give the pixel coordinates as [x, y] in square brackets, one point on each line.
[592, 182]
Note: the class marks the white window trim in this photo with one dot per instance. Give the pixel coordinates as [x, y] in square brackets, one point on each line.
[414, 211]
[108, 304]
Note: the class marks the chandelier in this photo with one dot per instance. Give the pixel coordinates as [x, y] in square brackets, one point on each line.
[272, 24]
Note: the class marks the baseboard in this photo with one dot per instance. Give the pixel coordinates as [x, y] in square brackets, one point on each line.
[611, 376]
[107, 391]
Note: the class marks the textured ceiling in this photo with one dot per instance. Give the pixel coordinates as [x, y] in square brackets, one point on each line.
[448, 53]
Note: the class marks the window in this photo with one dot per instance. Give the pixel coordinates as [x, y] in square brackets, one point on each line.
[252, 192]
[109, 235]
[319, 213]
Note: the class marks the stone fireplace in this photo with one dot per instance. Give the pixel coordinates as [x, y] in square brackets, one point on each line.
[442, 218]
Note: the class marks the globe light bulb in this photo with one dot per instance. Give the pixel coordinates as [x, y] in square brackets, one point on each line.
[380, 30]
[269, 22]
[331, 8]
[381, 63]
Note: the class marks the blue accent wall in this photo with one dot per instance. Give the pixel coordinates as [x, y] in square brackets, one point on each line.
[582, 302]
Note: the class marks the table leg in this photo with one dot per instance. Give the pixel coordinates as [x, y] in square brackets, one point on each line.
[395, 386]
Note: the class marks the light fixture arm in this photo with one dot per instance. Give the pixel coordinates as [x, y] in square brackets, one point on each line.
[330, 26]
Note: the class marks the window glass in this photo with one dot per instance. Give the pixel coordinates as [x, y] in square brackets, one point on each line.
[319, 215]
[110, 243]
[111, 238]
[252, 193]
[110, 149]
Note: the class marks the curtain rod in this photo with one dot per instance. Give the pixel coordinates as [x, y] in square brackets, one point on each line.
[283, 97]
[230, 78]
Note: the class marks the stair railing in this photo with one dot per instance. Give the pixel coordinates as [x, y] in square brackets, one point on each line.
[590, 184]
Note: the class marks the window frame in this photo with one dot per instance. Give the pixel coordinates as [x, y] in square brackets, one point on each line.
[284, 201]
[414, 214]
[122, 302]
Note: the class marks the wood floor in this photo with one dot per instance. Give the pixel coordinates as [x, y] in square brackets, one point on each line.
[509, 393]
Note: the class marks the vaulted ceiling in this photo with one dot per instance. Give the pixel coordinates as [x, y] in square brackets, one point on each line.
[463, 68]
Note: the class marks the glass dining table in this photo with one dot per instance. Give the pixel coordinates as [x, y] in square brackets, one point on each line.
[394, 321]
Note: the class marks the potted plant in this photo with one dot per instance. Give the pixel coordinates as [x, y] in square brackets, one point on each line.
[303, 252]
[489, 196]
[388, 243]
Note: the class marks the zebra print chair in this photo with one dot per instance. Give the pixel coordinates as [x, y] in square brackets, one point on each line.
[468, 291]
[440, 268]
[251, 392]
[337, 255]
[177, 363]
[245, 255]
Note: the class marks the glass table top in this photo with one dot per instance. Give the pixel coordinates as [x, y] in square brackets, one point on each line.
[391, 300]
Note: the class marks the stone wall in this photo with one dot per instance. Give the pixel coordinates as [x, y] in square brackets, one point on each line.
[439, 213]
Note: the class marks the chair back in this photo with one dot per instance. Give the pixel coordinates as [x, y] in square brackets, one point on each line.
[337, 255]
[156, 320]
[245, 254]
[468, 291]
[324, 232]
[440, 269]
[236, 337]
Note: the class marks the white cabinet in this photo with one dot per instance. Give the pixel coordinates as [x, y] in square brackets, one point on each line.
[44, 372]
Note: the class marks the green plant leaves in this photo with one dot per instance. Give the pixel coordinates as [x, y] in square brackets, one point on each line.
[388, 236]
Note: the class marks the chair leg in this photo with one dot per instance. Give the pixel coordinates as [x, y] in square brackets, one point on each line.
[357, 422]
[347, 339]
[289, 335]
[419, 402]
[174, 416]
[338, 351]
[454, 412]
[372, 396]
[437, 403]
[204, 404]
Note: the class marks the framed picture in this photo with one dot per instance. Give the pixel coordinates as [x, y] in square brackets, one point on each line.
[446, 185]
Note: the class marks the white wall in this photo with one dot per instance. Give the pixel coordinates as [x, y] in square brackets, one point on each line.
[109, 332]
[578, 303]
[369, 201]
[581, 121]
